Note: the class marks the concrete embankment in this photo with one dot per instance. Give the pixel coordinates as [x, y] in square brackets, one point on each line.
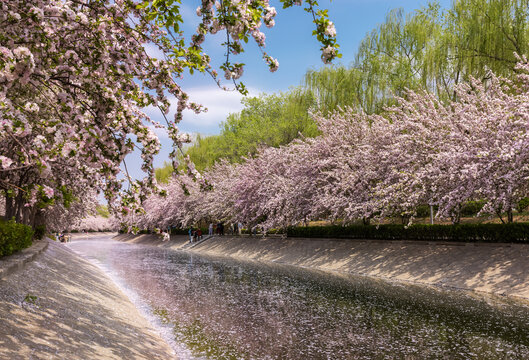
[501, 269]
[60, 306]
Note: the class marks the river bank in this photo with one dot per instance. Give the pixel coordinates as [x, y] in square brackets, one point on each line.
[500, 269]
[60, 306]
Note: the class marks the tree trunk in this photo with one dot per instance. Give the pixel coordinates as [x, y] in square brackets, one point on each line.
[431, 214]
[19, 204]
[38, 218]
[456, 217]
[10, 208]
[499, 215]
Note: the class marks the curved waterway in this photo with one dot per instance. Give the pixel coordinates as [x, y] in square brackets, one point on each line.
[217, 308]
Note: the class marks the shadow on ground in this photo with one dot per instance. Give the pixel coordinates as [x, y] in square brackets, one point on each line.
[61, 306]
[493, 268]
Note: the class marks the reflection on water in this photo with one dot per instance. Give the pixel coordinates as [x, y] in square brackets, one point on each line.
[223, 309]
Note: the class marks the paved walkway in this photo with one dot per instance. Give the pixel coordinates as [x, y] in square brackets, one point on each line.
[60, 306]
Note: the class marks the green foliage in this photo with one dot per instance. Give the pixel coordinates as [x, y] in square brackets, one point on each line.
[102, 210]
[176, 231]
[14, 237]
[424, 211]
[68, 197]
[472, 208]
[267, 120]
[40, 231]
[31, 299]
[427, 49]
[164, 173]
[502, 233]
[522, 204]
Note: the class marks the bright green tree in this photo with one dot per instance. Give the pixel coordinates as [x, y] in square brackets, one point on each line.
[266, 120]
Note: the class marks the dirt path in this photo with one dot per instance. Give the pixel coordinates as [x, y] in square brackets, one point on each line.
[62, 307]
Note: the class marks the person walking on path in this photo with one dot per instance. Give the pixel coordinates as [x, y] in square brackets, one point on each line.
[210, 229]
[190, 234]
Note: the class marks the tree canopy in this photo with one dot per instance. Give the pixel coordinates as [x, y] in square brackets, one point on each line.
[430, 49]
[266, 120]
[374, 167]
[75, 76]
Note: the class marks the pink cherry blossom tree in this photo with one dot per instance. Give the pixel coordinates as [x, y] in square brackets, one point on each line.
[75, 76]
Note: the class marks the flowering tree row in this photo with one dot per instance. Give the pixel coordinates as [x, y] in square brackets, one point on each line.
[93, 223]
[75, 76]
[370, 167]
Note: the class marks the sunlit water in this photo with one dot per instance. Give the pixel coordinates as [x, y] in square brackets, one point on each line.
[223, 309]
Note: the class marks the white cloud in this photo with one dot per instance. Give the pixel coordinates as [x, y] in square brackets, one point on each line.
[154, 51]
[219, 103]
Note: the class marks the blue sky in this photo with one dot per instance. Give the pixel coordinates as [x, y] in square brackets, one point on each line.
[291, 42]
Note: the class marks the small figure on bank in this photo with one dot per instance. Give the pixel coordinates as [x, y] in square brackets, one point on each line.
[210, 229]
[190, 232]
[199, 234]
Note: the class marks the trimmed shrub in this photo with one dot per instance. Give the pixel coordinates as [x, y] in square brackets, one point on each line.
[424, 211]
[471, 208]
[504, 233]
[14, 237]
[40, 231]
[522, 204]
[178, 231]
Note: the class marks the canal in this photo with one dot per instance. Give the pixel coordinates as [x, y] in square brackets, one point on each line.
[217, 308]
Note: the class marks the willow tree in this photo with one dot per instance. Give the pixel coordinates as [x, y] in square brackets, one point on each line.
[486, 34]
[427, 49]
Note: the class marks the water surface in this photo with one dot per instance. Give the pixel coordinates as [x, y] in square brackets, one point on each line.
[219, 308]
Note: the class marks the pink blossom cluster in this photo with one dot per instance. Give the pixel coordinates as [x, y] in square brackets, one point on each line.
[73, 79]
[75, 76]
[95, 223]
[370, 167]
[63, 215]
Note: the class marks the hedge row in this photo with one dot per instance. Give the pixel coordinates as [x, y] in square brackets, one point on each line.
[14, 237]
[174, 231]
[505, 233]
